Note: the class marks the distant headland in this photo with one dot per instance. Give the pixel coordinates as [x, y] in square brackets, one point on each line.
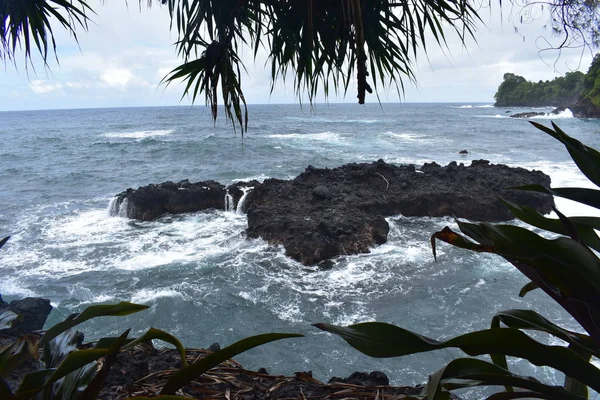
[577, 91]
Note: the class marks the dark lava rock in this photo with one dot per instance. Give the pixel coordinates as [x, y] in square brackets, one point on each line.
[463, 152]
[150, 202]
[527, 114]
[324, 213]
[34, 312]
[375, 378]
[584, 108]
[352, 220]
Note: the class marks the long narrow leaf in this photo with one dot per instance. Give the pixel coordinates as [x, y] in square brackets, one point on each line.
[120, 309]
[384, 340]
[187, 374]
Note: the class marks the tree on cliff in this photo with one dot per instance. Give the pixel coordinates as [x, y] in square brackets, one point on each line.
[322, 44]
[515, 91]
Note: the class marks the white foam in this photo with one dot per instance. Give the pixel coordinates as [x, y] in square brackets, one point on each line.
[10, 286]
[328, 136]
[561, 115]
[565, 174]
[137, 134]
[407, 136]
[147, 295]
[261, 178]
[470, 106]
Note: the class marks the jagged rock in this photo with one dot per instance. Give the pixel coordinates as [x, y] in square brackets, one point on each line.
[463, 152]
[584, 108]
[352, 221]
[150, 202]
[324, 213]
[375, 378]
[527, 114]
[34, 312]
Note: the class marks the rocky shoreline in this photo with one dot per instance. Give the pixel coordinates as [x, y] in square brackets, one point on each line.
[144, 369]
[325, 213]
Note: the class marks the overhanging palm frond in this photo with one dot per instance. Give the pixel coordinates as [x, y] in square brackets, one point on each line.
[26, 24]
[320, 43]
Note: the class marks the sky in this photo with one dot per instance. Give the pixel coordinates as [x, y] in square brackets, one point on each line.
[121, 59]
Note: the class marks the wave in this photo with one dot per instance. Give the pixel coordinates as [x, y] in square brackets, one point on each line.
[566, 113]
[147, 295]
[408, 136]
[309, 136]
[137, 134]
[336, 120]
[471, 106]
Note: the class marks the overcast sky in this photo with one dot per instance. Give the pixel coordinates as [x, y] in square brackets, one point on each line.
[121, 59]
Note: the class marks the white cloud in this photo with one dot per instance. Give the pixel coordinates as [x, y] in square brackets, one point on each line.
[117, 77]
[41, 87]
[121, 60]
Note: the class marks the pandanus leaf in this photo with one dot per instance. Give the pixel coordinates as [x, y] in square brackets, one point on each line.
[377, 339]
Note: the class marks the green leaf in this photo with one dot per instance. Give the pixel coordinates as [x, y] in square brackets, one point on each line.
[121, 309]
[13, 355]
[158, 334]
[474, 372]
[586, 158]
[564, 268]
[93, 389]
[585, 226]
[590, 197]
[384, 340]
[531, 320]
[74, 361]
[32, 383]
[8, 318]
[187, 374]
[529, 287]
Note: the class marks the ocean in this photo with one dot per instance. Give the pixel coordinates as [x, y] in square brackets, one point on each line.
[205, 282]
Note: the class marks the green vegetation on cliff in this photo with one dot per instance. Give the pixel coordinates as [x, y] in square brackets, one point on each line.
[562, 91]
[591, 83]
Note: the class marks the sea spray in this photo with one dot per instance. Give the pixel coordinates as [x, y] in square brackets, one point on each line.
[229, 205]
[242, 201]
[118, 207]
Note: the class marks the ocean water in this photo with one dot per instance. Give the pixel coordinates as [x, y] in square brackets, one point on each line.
[205, 282]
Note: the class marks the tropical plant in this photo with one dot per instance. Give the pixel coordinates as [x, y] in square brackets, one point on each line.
[564, 266]
[323, 45]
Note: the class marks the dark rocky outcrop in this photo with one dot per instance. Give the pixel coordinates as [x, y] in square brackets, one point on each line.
[527, 114]
[585, 108]
[150, 202]
[374, 378]
[324, 213]
[33, 311]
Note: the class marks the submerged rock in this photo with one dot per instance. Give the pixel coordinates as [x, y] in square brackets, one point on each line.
[324, 213]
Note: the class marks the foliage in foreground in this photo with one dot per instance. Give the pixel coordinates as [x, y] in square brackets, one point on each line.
[70, 373]
[565, 267]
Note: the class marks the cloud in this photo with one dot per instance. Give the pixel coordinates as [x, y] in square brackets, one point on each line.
[117, 77]
[43, 87]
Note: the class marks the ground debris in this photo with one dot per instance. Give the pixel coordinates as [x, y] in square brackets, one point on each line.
[144, 370]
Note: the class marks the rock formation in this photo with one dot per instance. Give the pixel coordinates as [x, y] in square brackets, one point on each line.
[324, 213]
